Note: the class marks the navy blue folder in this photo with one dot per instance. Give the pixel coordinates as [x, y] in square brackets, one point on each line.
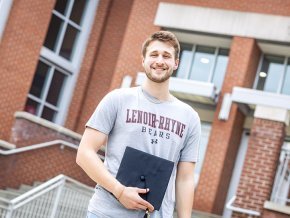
[143, 170]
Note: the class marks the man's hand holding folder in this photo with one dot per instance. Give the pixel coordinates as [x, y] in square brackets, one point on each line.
[130, 198]
[141, 172]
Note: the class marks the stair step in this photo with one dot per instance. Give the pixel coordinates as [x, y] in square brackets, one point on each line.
[16, 191]
[7, 194]
[37, 183]
[25, 188]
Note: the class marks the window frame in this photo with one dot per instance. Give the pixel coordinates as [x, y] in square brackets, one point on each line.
[281, 82]
[214, 64]
[42, 99]
[70, 67]
[66, 19]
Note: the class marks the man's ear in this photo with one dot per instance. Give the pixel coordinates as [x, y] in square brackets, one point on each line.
[176, 64]
[143, 59]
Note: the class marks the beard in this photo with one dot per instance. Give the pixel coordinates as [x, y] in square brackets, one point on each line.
[158, 79]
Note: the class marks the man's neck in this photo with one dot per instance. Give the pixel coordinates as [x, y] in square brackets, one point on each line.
[157, 90]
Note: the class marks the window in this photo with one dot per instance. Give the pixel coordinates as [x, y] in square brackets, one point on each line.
[65, 27]
[281, 187]
[46, 90]
[203, 63]
[59, 63]
[274, 75]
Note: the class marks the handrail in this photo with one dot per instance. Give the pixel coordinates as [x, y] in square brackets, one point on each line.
[6, 145]
[3, 207]
[37, 146]
[240, 210]
[42, 145]
[42, 189]
[4, 200]
[29, 198]
[78, 183]
[37, 189]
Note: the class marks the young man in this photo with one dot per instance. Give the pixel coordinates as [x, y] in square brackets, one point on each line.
[149, 119]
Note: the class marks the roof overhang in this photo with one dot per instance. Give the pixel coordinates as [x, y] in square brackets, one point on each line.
[248, 99]
[223, 22]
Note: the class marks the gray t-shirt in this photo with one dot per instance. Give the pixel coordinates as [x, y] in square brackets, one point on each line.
[131, 117]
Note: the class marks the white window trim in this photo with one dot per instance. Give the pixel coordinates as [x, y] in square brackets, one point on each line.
[74, 65]
[5, 7]
[258, 71]
[274, 49]
[276, 207]
[41, 100]
[212, 70]
[190, 65]
[280, 86]
[58, 60]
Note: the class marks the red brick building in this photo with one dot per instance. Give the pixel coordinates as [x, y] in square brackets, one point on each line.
[59, 58]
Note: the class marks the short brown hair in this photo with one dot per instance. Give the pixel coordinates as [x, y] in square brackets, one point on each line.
[163, 36]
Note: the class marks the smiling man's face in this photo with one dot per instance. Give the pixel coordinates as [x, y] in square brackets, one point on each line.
[159, 62]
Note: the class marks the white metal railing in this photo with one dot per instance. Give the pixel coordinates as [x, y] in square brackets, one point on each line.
[43, 145]
[60, 197]
[281, 185]
[37, 146]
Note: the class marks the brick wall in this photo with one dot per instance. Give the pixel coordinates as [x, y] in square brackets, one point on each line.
[40, 165]
[104, 64]
[109, 56]
[273, 214]
[139, 27]
[225, 136]
[260, 164]
[26, 132]
[88, 67]
[143, 14]
[20, 46]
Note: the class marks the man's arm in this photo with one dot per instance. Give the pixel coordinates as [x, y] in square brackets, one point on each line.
[184, 189]
[90, 162]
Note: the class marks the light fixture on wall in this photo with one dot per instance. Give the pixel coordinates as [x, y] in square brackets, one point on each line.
[204, 60]
[262, 74]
